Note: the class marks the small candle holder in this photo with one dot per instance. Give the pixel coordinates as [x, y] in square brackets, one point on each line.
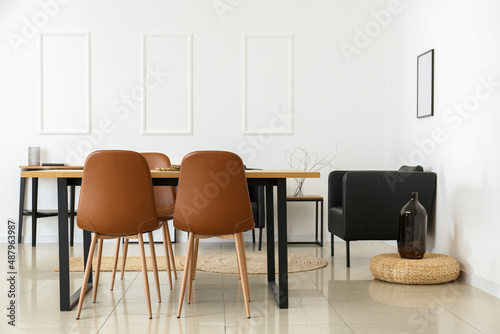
[33, 156]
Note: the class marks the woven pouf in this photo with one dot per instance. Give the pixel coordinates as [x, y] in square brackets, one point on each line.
[432, 269]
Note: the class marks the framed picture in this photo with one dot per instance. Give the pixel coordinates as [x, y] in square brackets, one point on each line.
[425, 84]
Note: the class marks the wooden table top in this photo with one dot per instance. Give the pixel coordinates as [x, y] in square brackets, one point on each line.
[49, 167]
[77, 173]
[304, 198]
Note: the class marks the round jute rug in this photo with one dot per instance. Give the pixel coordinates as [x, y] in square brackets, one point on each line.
[224, 263]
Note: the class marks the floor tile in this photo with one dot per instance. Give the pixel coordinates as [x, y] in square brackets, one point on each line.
[335, 299]
[417, 327]
[487, 327]
[295, 329]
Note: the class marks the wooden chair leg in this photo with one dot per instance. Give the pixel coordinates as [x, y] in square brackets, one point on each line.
[195, 254]
[98, 268]
[155, 267]
[192, 267]
[238, 262]
[170, 250]
[86, 275]
[124, 260]
[167, 255]
[145, 274]
[115, 262]
[240, 252]
[187, 268]
[245, 262]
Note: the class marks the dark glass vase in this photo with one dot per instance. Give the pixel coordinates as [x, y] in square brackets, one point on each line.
[412, 229]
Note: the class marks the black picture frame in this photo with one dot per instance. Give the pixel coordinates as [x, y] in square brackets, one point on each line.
[425, 84]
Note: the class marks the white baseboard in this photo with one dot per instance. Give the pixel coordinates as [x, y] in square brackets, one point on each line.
[478, 282]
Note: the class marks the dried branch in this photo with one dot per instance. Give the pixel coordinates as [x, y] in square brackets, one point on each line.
[302, 159]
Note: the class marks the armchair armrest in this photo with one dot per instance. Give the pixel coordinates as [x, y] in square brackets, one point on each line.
[335, 188]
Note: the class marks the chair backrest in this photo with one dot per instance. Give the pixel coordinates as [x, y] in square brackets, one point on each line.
[116, 196]
[164, 195]
[212, 194]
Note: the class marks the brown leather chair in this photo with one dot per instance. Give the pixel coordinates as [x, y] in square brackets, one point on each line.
[117, 200]
[213, 201]
[165, 199]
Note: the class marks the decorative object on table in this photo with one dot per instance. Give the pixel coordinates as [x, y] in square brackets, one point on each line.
[302, 159]
[54, 164]
[412, 229]
[171, 168]
[33, 156]
[425, 84]
[432, 269]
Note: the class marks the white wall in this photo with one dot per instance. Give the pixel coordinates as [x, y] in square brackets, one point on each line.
[465, 154]
[338, 105]
[354, 88]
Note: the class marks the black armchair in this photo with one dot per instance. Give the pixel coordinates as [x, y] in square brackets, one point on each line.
[365, 205]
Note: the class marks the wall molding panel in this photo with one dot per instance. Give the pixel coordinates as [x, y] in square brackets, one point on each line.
[268, 84]
[65, 93]
[167, 78]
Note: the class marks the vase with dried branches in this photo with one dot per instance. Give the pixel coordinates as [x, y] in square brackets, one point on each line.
[302, 159]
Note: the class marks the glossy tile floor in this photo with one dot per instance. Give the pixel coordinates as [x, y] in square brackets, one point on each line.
[330, 300]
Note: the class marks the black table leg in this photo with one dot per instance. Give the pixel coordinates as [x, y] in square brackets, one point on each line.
[22, 192]
[72, 215]
[270, 234]
[66, 301]
[282, 245]
[321, 244]
[62, 205]
[87, 238]
[34, 209]
[316, 234]
[278, 289]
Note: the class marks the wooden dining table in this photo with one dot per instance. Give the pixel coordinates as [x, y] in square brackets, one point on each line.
[271, 179]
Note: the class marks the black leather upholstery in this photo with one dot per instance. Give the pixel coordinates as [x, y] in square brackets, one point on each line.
[365, 205]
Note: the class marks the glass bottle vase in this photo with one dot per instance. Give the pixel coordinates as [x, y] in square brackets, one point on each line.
[412, 229]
